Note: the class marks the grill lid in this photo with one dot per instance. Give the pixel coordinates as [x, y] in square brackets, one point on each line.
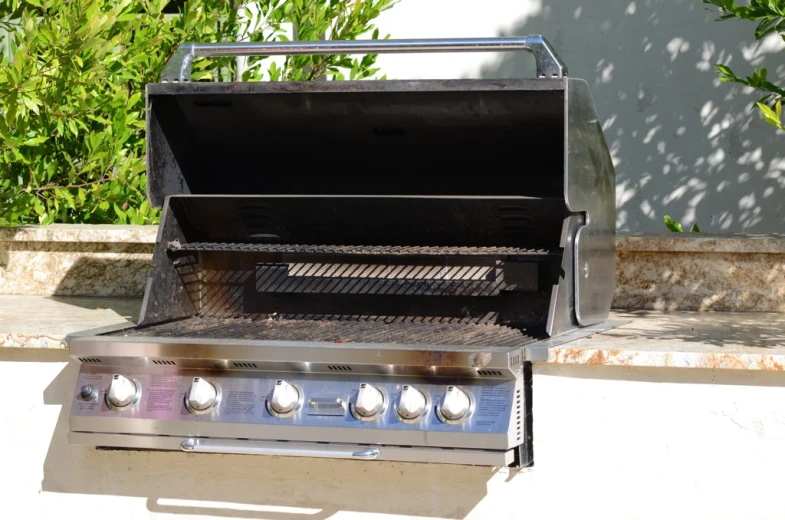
[491, 169]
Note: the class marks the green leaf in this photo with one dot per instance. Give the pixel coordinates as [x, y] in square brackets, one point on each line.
[695, 228]
[725, 70]
[673, 225]
[104, 205]
[35, 141]
[769, 115]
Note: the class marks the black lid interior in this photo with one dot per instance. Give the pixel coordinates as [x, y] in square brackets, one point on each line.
[465, 138]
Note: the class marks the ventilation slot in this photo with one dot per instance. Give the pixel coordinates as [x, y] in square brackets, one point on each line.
[518, 416]
[489, 372]
[339, 368]
[515, 360]
[237, 364]
[89, 360]
[167, 362]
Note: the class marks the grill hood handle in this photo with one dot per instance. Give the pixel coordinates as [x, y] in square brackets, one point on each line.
[549, 65]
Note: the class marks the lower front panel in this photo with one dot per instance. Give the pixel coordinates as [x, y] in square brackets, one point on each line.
[324, 409]
[298, 449]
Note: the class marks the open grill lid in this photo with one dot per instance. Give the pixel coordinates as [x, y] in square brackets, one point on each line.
[519, 163]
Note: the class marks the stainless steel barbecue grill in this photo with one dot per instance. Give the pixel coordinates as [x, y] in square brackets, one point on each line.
[387, 307]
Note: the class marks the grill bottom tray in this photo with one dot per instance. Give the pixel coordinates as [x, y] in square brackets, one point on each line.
[371, 330]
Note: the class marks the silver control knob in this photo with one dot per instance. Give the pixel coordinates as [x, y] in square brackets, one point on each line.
[122, 392]
[370, 401]
[285, 397]
[455, 404]
[202, 395]
[412, 403]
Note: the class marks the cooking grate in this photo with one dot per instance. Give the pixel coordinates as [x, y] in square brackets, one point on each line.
[190, 247]
[345, 330]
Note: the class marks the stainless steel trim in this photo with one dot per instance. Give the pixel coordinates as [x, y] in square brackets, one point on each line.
[97, 331]
[549, 64]
[294, 429]
[539, 351]
[297, 356]
[386, 453]
[324, 403]
[277, 448]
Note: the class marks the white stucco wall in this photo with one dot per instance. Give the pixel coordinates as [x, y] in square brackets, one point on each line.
[610, 443]
[683, 143]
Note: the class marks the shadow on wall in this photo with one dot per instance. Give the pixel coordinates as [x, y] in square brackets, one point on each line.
[693, 149]
[246, 486]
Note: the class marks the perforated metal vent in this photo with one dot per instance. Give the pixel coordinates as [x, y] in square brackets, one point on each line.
[339, 368]
[518, 416]
[489, 372]
[167, 362]
[89, 360]
[515, 361]
[243, 364]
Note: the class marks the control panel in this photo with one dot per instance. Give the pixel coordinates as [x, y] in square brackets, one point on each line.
[482, 406]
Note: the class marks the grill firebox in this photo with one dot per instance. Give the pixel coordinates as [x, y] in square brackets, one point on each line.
[384, 309]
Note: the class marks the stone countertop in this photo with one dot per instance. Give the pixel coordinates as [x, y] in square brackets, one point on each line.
[742, 341]
[675, 242]
[44, 321]
[732, 340]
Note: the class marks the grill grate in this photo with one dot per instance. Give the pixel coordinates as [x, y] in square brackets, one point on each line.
[176, 246]
[370, 330]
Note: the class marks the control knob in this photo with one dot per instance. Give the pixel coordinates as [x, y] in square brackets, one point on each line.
[202, 395]
[122, 392]
[370, 401]
[455, 404]
[412, 403]
[285, 398]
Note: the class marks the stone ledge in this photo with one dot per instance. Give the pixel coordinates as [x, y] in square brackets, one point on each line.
[667, 271]
[700, 243]
[81, 233]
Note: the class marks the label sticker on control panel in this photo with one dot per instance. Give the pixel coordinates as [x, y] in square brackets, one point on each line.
[162, 394]
[239, 403]
[493, 404]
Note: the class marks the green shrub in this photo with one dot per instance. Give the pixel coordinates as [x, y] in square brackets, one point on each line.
[676, 227]
[72, 127]
[770, 17]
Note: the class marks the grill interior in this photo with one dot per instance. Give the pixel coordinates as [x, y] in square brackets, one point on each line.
[339, 330]
[410, 269]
